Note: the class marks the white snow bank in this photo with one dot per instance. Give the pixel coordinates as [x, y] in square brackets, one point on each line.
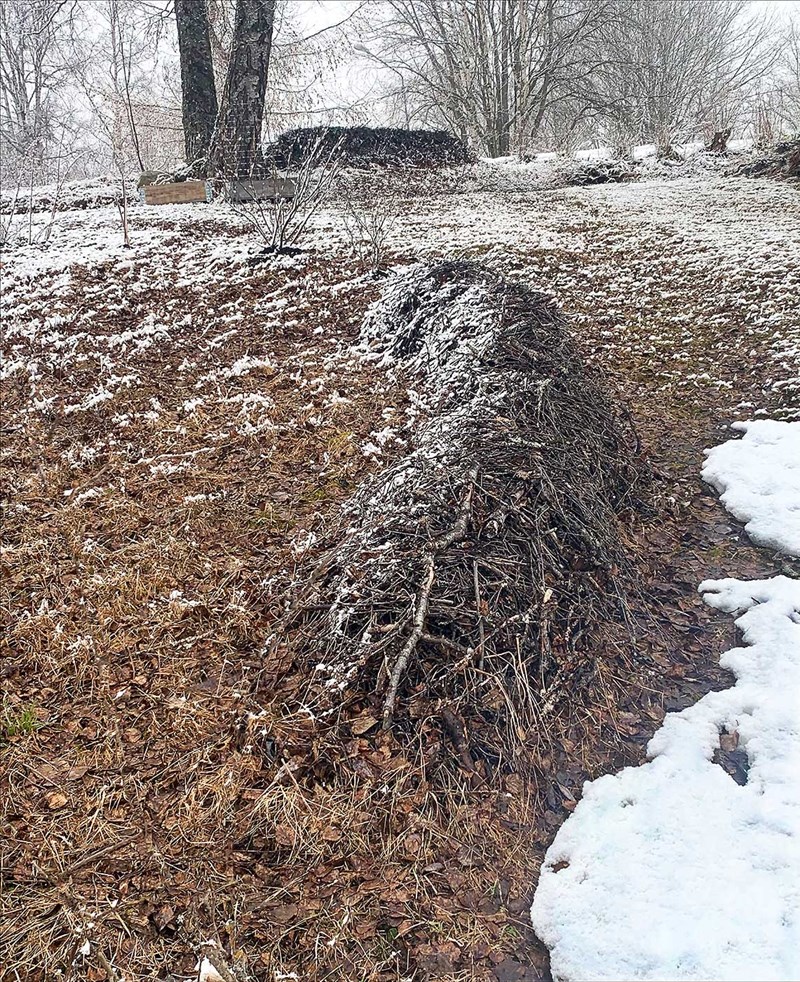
[758, 478]
[672, 870]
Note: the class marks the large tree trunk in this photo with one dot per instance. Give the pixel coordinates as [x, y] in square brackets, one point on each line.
[197, 81]
[236, 147]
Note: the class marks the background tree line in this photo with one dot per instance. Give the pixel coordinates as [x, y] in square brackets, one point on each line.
[92, 85]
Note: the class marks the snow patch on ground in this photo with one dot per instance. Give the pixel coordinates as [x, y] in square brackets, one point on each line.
[673, 870]
[758, 478]
[649, 878]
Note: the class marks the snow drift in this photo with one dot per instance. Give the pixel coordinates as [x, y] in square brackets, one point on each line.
[674, 870]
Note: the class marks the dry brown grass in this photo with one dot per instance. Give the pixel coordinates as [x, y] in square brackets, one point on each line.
[166, 795]
[137, 610]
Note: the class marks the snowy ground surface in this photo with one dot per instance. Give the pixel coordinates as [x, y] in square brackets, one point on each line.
[683, 869]
[180, 422]
[650, 243]
[758, 478]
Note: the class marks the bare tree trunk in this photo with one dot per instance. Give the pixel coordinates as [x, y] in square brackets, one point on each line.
[197, 81]
[547, 74]
[236, 147]
[503, 114]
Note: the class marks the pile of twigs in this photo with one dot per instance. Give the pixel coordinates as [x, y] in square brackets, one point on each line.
[470, 579]
[781, 160]
[587, 173]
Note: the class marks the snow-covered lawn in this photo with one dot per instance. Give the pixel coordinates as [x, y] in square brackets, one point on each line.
[676, 870]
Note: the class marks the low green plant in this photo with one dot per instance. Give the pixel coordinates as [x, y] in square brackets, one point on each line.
[21, 721]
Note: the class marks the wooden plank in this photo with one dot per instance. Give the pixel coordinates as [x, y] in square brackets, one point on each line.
[260, 190]
[178, 192]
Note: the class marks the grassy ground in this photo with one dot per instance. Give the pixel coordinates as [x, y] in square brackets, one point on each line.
[178, 427]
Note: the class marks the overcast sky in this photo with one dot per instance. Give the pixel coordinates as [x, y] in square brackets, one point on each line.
[783, 8]
[323, 12]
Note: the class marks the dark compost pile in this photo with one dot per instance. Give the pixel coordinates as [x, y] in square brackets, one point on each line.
[365, 146]
[780, 161]
[585, 173]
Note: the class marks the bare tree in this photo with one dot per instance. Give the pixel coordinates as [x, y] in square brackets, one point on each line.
[512, 73]
[197, 81]
[488, 68]
[790, 72]
[305, 85]
[35, 63]
[124, 86]
[236, 146]
[669, 69]
[111, 82]
[776, 109]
